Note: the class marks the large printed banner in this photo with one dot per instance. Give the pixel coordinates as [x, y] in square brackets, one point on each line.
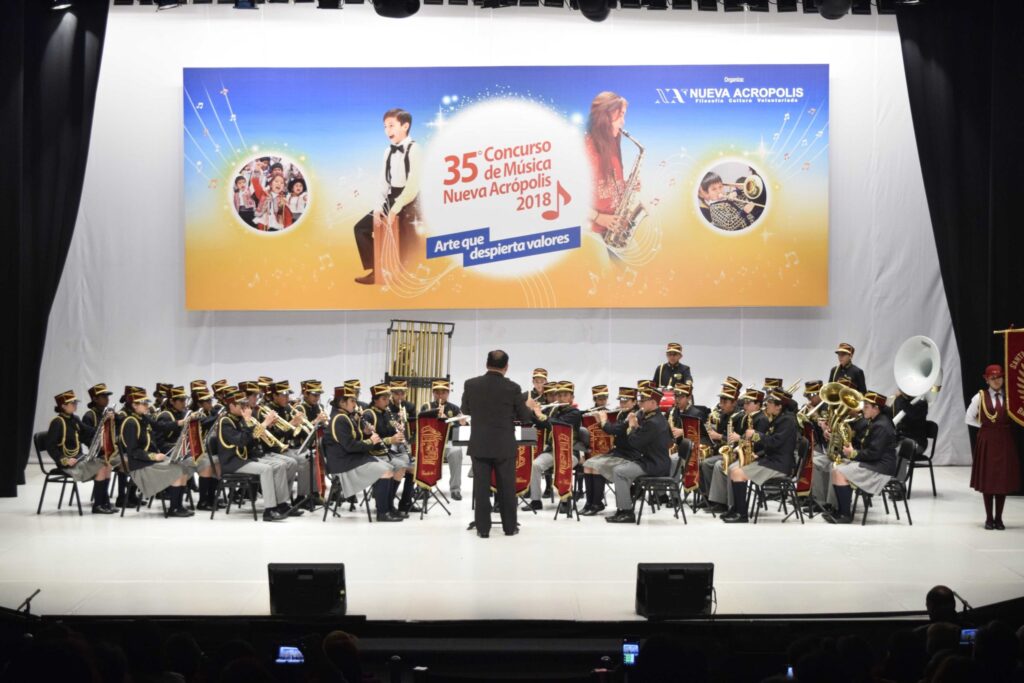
[506, 187]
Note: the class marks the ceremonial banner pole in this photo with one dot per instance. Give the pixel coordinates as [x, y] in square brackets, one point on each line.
[561, 444]
[428, 448]
[1013, 368]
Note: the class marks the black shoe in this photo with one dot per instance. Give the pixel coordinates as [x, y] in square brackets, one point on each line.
[622, 517]
[293, 511]
[989, 526]
[204, 506]
[398, 513]
[272, 515]
[829, 517]
[483, 534]
[844, 519]
[456, 495]
[702, 504]
[104, 509]
[133, 501]
[588, 511]
[180, 512]
[717, 508]
[564, 508]
[735, 518]
[547, 492]
[999, 525]
[389, 517]
[410, 508]
[513, 532]
[532, 505]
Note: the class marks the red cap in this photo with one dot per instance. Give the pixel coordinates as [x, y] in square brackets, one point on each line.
[993, 371]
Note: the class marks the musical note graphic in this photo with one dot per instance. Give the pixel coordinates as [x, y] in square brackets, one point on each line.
[656, 201]
[630, 275]
[212, 184]
[593, 284]
[254, 281]
[199, 105]
[339, 206]
[420, 268]
[792, 259]
[805, 166]
[233, 117]
[560, 195]
[326, 261]
[223, 91]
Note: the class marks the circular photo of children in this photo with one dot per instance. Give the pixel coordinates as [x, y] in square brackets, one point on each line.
[732, 196]
[270, 194]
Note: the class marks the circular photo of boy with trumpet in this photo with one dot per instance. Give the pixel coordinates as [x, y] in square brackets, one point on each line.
[732, 196]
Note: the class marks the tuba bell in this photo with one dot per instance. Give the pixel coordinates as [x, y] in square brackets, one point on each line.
[918, 370]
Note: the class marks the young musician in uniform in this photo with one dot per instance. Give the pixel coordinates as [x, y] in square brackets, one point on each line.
[355, 385]
[872, 465]
[64, 445]
[672, 372]
[996, 469]
[150, 469]
[99, 400]
[821, 475]
[846, 368]
[235, 445]
[914, 424]
[289, 430]
[348, 452]
[749, 424]
[444, 408]
[208, 465]
[718, 427]
[391, 450]
[600, 468]
[271, 451]
[775, 451]
[683, 408]
[403, 416]
[170, 419]
[563, 412]
[539, 378]
[647, 432]
[400, 206]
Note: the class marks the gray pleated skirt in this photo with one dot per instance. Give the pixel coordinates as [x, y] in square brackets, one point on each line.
[866, 480]
[86, 471]
[154, 478]
[759, 474]
[355, 480]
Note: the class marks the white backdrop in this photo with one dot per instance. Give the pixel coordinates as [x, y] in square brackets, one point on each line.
[119, 315]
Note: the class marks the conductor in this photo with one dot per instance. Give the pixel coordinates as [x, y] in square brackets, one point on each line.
[494, 402]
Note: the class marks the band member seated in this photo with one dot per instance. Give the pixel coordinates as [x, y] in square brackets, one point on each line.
[64, 445]
[600, 395]
[873, 464]
[99, 401]
[269, 448]
[683, 408]
[821, 476]
[235, 446]
[290, 432]
[170, 419]
[718, 427]
[647, 432]
[356, 385]
[403, 416]
[391, 450]
[540, 378]
[914, 424]
[672, 372]
[846, 368]
[348, 453]
[208, 465]
[775, 453]
[748, 426]
[150, 469]
[602, 467]
[444, 408]
[562, 411]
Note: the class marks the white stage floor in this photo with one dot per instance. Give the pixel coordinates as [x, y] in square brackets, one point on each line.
[436, 570]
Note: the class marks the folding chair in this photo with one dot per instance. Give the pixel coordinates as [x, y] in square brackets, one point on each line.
[650, 488]
[925, 460]
[895, 487]
[54, 475]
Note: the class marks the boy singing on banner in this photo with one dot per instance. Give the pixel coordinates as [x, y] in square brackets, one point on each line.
[400, 207]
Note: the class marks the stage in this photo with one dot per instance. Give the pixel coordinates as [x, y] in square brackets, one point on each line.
[435, 569]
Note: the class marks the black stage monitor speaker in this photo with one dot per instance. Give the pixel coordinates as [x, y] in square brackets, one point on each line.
[307, 589]
[674, 591]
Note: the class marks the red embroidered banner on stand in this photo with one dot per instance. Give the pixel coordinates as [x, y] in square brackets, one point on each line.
[691, 431]
[601, 442]
[803, 484]
[1013, 385]
[524, 468]
[562, 450]
[428, 449]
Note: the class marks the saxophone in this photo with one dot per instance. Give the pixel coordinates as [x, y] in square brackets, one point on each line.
[726, 450]
[630, 209]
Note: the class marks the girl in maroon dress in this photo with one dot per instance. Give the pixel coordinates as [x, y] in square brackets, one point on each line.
[996, 469]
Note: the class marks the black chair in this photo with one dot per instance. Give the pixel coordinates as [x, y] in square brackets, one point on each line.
[334, 498]
[921, 459]
[783, 487]
[651, 488]
[229, 483]
[54, 475]
[895, 489]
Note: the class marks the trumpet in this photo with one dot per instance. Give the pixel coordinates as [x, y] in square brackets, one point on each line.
[261, 433]
[751, 188]
[279, 421]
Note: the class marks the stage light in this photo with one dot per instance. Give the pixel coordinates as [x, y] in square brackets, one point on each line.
[833, 9]
[167, 4]
[860, 7]
[745, 5]
[810, 7]
[682, 4]
[595, 10]
[328, 4]
[245, 4]
[396, 9]
[785, 6]
[59, 4]
[707, 5]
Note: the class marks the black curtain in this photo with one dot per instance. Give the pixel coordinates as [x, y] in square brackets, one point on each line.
[964, 64]
[50, 65]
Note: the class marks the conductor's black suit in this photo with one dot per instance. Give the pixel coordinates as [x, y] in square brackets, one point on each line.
[494, 402]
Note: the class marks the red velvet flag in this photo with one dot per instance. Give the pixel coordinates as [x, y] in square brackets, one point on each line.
[803, 484]
[601, 442]
[524, 468]
[562, 446]
[428, 449]
[691, 431]
[1013, 385]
